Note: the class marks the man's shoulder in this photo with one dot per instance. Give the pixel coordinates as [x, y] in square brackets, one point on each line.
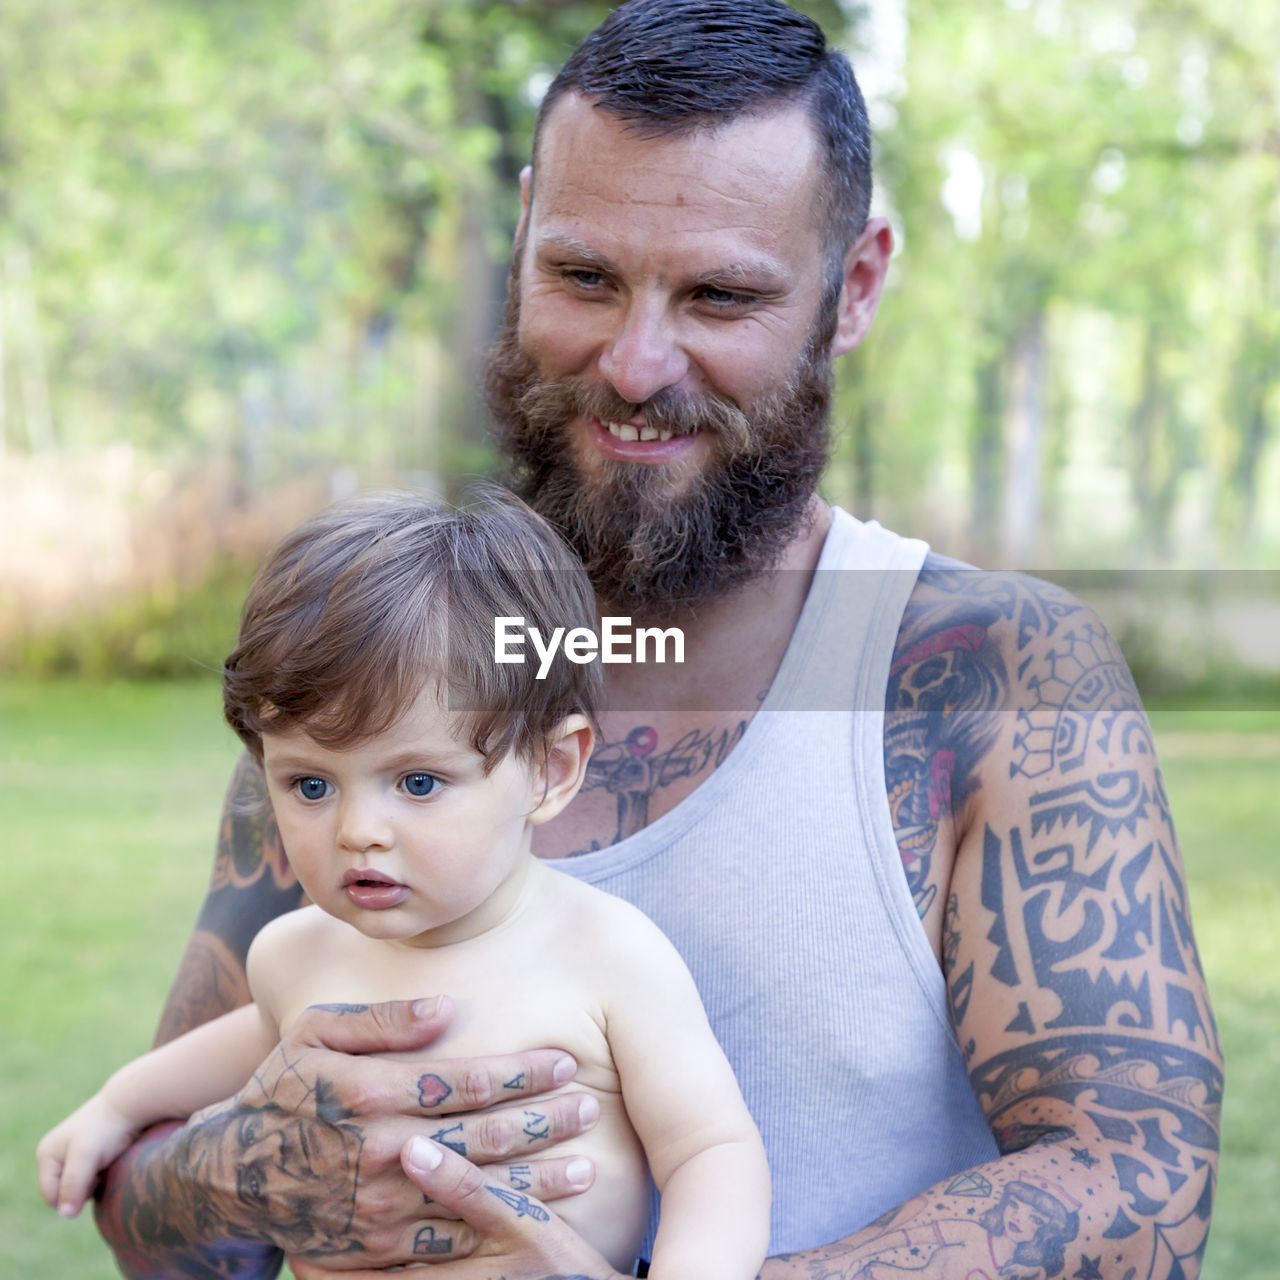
[988, 668]
[1010, 625]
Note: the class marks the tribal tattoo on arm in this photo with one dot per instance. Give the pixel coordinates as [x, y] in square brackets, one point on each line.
[252, 883]
[1016, 745]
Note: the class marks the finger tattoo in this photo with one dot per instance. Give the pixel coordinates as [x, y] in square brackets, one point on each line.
[454, 1144]
[428, 1240]
[536, 1126]
[524, 1207]
[432, 1090]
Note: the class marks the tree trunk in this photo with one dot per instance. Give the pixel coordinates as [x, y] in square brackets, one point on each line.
[1024, 443]
[984, 457]
[29, 353]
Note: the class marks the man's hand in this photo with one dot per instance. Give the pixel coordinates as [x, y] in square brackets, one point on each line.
[307, 1156]
[494, 1231]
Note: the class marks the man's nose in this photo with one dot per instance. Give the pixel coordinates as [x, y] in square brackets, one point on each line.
[644, 355]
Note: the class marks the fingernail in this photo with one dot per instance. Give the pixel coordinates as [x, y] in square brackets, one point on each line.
[424, 1155]
[564, 1071]
[428, 1007]
[577, 1173]
[588, 1110]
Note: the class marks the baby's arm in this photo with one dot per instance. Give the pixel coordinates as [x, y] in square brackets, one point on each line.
[202, 1067]
[703, 1148]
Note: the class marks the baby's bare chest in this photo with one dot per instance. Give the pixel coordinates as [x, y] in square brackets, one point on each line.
[501, 1005]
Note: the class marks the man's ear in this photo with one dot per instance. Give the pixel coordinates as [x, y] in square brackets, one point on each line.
[562, 768]
[526, 195]
[865, 267]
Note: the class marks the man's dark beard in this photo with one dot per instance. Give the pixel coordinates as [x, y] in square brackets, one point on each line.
[649, 549]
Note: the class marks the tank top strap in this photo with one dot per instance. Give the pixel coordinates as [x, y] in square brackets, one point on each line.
[839, 656]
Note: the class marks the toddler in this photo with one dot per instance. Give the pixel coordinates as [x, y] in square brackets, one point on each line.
[407, 769]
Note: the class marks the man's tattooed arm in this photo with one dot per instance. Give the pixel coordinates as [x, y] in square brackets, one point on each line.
[252, 883]
[1039, 846]
[147, 1214]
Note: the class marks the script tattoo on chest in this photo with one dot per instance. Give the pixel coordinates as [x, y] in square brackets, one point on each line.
[635, 769]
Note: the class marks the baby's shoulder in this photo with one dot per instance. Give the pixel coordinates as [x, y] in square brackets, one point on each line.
[619, 939]
[592, 909]
[292, 940]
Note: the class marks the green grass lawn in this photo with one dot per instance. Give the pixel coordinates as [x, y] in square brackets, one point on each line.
[109, 796]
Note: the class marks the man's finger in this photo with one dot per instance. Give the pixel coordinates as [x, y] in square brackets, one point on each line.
[374, 1028]
[468, 1084]
[546, 1180]
[508, 1134]
[482, 1203]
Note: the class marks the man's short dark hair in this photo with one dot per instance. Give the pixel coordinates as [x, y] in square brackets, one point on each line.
[671, 66]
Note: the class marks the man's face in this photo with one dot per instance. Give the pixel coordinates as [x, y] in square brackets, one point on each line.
[663, 378]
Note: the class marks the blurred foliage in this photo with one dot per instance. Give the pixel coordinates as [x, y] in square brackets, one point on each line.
[163, 633]
[1088, 201]
[270, 238]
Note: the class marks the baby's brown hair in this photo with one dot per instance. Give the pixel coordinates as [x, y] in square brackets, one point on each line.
[363, 604]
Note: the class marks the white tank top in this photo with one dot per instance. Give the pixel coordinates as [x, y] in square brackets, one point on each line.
[779, 881]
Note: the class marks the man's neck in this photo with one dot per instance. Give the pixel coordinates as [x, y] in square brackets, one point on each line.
[733, 646]
[667, 728]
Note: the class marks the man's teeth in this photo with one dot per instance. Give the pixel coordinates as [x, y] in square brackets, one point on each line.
[625, 431]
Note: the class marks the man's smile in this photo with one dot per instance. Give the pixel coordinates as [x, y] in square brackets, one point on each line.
[640, 441]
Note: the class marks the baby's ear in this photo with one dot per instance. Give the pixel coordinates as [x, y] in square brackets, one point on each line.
[562, 767]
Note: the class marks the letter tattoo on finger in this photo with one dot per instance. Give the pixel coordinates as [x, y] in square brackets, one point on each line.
[536, 1127]
[521, 1176]
[432, 1091]
[456, 1144]
[429, 1241]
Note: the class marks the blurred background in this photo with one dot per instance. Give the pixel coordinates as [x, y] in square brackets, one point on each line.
[252, 251]
[251, 254]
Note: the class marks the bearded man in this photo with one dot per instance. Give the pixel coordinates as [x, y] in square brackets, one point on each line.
[902, 818]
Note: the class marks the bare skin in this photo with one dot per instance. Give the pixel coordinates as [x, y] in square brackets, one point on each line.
[1021, 781]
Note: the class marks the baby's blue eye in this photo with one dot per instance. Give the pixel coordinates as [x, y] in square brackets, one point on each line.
[312, 788]
[419, 784]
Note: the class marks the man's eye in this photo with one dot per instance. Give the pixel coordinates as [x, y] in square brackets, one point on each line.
[583, 277]
[724, 297]
[419, 784]
[312, 788]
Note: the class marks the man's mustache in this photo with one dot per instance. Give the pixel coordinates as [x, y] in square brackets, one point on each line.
[548, 405]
